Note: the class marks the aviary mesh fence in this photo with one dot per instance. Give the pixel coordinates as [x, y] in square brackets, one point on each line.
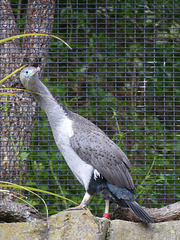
[124, 75]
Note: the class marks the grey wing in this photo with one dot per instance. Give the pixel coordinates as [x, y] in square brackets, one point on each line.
[95, 148]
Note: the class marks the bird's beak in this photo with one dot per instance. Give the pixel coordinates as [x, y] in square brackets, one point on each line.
[35, 71]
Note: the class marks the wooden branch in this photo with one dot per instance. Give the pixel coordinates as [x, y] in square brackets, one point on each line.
[164, 214]
[12, 211]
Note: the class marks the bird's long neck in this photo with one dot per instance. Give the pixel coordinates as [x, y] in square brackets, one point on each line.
[46, 100]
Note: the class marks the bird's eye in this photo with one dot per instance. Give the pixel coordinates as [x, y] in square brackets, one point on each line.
[27, 72]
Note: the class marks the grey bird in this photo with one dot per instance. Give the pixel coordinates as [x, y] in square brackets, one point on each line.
[96, 161]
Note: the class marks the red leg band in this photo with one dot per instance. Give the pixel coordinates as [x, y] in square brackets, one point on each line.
[107, 215]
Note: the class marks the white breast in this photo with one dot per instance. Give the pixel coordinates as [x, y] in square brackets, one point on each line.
[81, 170]
[62, 132]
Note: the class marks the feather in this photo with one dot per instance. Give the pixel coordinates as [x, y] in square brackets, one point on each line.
[139, 211]
[95, 148]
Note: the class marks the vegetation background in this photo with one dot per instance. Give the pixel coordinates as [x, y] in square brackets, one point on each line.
[124, 75]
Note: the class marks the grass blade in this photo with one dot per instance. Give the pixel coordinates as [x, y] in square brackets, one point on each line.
[17, 70]
[33, 34]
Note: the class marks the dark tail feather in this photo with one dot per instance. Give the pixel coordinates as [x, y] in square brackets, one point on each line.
[125, 198]
[139, 211]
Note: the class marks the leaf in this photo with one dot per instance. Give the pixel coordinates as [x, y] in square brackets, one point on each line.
[24, 155]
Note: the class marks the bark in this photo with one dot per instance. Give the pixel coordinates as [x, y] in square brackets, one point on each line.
[39, 19]
[11, 211]
[17, 116]
[164, 214]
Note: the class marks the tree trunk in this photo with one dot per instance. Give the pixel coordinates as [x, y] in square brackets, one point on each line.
[17, 112]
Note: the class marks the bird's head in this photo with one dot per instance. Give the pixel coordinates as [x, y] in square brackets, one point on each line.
[27, 75]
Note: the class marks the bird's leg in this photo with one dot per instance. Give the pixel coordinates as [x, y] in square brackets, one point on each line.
[83, 204]
[106, 213]
[106, 206]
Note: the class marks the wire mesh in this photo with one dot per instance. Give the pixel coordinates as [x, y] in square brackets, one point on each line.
[122, 74]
